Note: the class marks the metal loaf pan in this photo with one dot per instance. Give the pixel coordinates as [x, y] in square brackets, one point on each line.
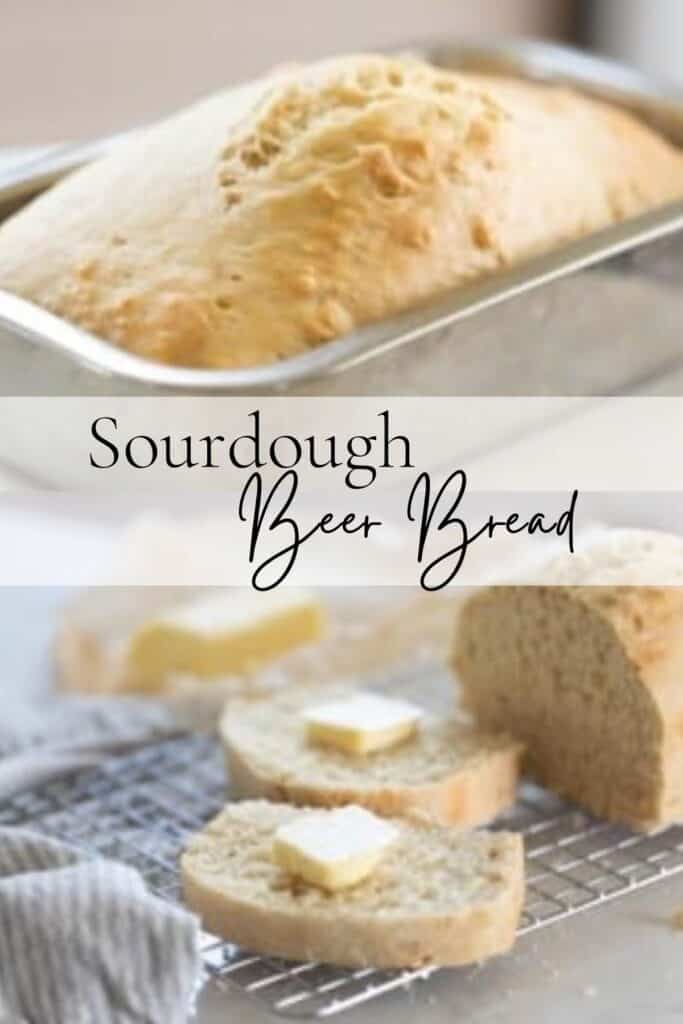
[602, 315]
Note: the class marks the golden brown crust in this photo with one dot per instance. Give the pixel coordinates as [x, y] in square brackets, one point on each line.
[268, 220]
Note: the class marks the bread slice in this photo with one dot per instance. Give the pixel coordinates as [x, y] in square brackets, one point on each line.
[439, 896]
[589, 677]
[371, 631]
[447, 773]
[269, 219]
[223, 632]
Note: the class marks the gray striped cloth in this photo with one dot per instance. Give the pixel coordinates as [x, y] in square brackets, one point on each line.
[82, 940]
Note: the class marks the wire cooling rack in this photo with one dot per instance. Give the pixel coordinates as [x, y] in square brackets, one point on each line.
[141, 808]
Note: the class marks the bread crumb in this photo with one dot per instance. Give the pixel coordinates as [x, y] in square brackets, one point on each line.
[677, 919]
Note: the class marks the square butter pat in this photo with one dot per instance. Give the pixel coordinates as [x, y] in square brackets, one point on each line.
[333, 849]
[362, 724]
[224, 632]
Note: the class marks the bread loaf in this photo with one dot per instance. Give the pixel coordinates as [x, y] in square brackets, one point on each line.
[589, 676]
[439, 896]
[448, 773]
[267, 220]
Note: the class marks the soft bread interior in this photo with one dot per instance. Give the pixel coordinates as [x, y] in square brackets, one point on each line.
[553, 670]
[448, 771]
[438, 895]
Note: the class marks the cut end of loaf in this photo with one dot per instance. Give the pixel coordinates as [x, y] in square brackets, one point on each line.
[572, 672]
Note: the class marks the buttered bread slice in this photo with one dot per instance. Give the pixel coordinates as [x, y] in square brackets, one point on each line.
[438, 896]
[443, 771]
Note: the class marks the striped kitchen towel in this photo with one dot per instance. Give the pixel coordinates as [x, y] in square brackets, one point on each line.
[82, 941]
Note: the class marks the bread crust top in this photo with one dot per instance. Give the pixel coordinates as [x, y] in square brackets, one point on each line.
[269, 219]
[270, 735]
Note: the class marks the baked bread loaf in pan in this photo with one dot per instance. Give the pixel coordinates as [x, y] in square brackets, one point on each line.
[439, 896]
[447, 773]
[268, 220]
[589, 677]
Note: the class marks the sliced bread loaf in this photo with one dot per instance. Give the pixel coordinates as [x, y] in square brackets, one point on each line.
[447, 773]
[589, 677]
[438, 896]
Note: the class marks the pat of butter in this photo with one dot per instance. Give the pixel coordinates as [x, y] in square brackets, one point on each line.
[333, 849]
[362, 724]
[222, 633]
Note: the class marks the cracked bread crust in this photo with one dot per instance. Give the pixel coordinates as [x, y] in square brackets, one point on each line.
[267, 220]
